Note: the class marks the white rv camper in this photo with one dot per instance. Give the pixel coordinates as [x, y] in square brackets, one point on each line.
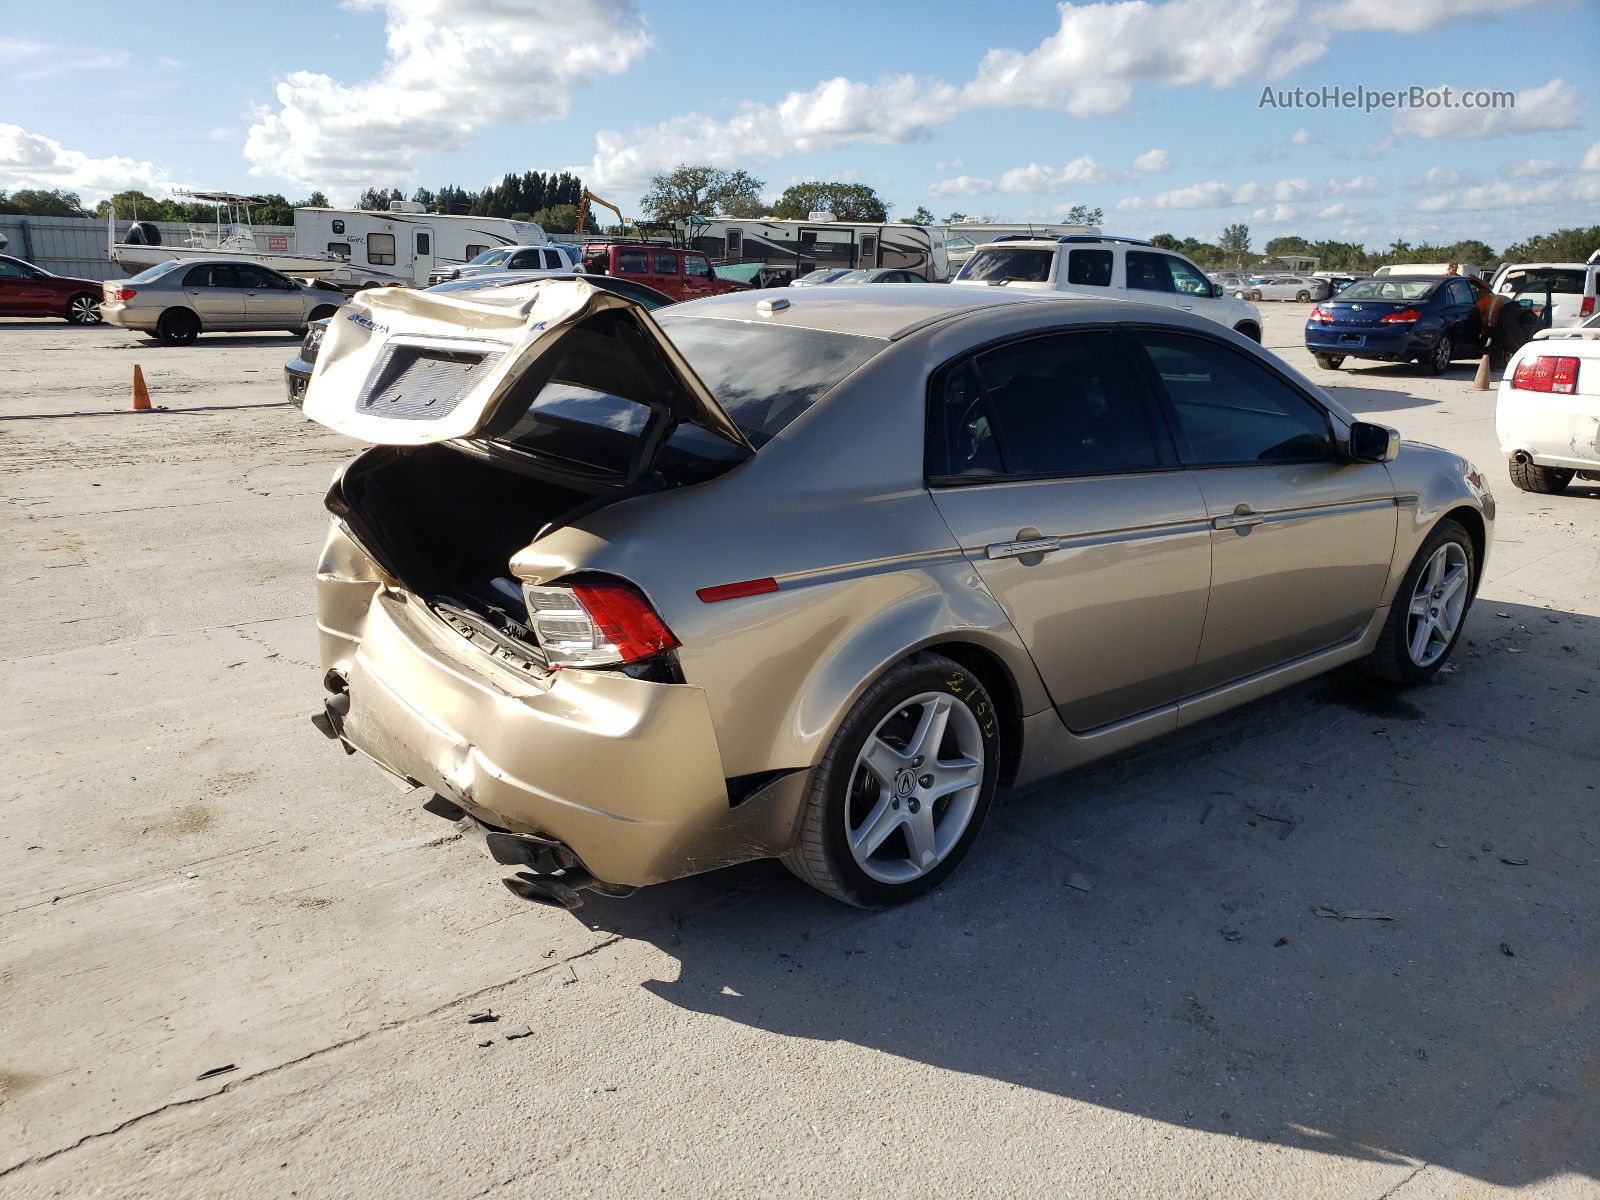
[403, 245]
[795, 248]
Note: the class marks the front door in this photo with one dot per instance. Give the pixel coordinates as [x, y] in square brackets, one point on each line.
[666, 274]
[271, 300]
[213, 291]
[697, 279]
[1054, 474]
[1301, 536]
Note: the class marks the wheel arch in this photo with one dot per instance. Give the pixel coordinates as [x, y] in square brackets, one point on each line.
[1250, 330]
[1001, 685]
[1472, 521]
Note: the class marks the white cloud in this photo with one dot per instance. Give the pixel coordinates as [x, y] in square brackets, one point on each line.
[1303, 137]
[953, 164]
[1037, 178]
[962, 185]
[452, 67]
[1216, 194]
[1335, 212]
[1534, 168]
[1087, 67]
[30, 160]
[1212, 194]
[1151, 162]
[1591, 159]
[1563, 194]
[1555, 106]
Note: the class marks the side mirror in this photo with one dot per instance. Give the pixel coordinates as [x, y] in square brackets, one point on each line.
[1217, 290]
[1373, 443]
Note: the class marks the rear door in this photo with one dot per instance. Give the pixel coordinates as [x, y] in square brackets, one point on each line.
[1049, 464]
[1301, 537]
[666, 275]
[214, 292]
[1459, 310]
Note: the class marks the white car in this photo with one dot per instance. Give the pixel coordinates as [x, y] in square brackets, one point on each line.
[1101, 266]
[553, 259]
[1548, 412]
[1285, 287]
[1567, 288]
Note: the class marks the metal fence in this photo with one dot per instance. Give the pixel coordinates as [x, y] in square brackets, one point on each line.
[76, 246]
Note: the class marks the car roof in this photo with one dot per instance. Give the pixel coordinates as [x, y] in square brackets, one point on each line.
[891, 313]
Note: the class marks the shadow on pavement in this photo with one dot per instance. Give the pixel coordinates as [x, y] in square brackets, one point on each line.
[1142, 936]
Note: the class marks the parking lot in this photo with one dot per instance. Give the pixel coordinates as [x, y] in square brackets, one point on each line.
[1128, 990]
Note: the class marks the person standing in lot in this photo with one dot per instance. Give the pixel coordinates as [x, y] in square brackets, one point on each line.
[1500, 320]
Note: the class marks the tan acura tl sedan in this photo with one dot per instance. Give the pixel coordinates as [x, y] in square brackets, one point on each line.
[811, 575]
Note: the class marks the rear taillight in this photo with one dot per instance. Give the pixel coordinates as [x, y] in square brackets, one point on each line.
[116, 292]
[1404, 317]
[1547, 373]
[1320, 316]
[1587, 308]
[595, 624]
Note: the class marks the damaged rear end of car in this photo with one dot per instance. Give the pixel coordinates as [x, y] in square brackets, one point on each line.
[541, 695]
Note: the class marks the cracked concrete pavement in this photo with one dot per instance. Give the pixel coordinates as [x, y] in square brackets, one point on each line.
[194, 879]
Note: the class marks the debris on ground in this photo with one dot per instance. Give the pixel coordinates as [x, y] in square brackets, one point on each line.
[572, 976]
[1231, 935]
[1505, 948]
[1441, 845]
[215, 1071]
[1283, 941]
[515, 1032]
[1513, 862]
[478, 1018]
[1078, 882]
[1355, 914]
[487, 1042]
[1449, 668]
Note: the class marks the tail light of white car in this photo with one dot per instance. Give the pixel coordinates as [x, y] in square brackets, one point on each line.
[595, 624]
[1547, 373]
[1404, 317]
[1586, 309]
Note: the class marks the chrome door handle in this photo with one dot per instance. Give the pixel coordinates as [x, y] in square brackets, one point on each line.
[1237, 521]
[1187, 307]
[1043, 545]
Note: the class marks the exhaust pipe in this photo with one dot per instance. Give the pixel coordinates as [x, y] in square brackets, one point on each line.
[1521, 458]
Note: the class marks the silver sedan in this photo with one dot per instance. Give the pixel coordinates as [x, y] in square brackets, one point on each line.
[178, 300]
[811, 575]
[1284, 287]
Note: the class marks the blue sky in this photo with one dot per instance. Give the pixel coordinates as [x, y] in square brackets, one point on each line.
[1016, 110]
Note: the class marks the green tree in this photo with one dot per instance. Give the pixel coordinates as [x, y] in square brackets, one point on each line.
[846, 201]
[689, 188]
[954, 217]
[1564, 245]
[1235, 242]
[1287, 245]
[921, 217]
[34, 202]
[559, 218]
[1166, 241]
[1078, 214]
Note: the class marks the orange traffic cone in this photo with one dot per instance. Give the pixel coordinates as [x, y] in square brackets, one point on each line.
[1480, 381]
[141, 394]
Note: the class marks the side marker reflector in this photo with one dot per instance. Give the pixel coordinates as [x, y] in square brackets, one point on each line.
[732, 591]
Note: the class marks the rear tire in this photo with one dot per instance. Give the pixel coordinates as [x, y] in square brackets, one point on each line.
[177, 327]
[1438, 360]
[1429, 609]
[882, 822]
[84, 309]
[1254, 294]
[1547, 481]
[1302, 296]
[1330, 362]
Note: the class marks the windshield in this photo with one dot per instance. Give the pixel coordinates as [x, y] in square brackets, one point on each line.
[1389, 289]
[852, 277]
[999, 264]
[487, 257]
[151, 274]
[764, 376]
[1563, 281]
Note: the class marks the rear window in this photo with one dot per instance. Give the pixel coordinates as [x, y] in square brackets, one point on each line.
[764, 376]
[1018, 265]
[1389, 289]
[1560, 281]
[151, 274]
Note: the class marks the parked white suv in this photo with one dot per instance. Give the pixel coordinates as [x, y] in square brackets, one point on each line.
[1567, 288]
[1548, 412]
[1098, 265]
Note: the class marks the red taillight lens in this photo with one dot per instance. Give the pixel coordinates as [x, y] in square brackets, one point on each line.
[595, 624]
[1587, 308]
[1547, 373]
[115, 291]
[1404, 317]
[733, 591]
[1320, 315]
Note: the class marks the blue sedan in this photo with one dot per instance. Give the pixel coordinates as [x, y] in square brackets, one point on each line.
[1426, 319]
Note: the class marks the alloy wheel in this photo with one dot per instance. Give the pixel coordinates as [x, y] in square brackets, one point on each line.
[1437, 604]
[84, 310]
[914, 788]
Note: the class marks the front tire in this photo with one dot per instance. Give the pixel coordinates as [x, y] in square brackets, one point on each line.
[177, 327]
[1255, 295]
[84, 309]
[903, 788]
[1330, 362]
[1429, 609]
[1302, 296]
[1547, 481]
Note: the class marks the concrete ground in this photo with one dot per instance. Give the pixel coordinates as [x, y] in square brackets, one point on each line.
[193, 880]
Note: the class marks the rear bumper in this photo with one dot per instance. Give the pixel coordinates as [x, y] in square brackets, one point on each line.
[1366, 343]
[627, 773]
[141, 320]
[296, 375]
[1553, 430]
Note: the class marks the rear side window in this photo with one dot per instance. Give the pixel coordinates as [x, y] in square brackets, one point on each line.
[1148, 272]
[997, 263]
[666, 264]
[1560, 281]
[151, 274]
[633, 262]
[1231, 410]
[1089, 268]
[1065, 404]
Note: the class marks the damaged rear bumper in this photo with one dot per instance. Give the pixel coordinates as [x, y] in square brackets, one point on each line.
[625, 772]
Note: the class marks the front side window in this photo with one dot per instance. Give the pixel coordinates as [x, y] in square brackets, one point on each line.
[1231, 410]
[13, 270]
[1148, 272]
[527, 260]
[694, 264]
[1089, 268]
[1001, 264]
[1186, 279]
[261, 279]
[380, 249]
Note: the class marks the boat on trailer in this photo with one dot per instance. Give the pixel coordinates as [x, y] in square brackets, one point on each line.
[233, 237]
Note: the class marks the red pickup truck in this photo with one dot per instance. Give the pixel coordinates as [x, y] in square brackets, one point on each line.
[681, 274]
